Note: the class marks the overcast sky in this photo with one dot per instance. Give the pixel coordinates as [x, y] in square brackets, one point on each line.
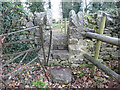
[55, 7]
[56, 10]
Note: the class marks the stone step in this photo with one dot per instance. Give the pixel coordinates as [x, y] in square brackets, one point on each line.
[60, 41]
[60, 54]
[61, 75]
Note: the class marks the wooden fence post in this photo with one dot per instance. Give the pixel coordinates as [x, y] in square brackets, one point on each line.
[65, 25]
[42, 44]
[61, 26]
[98, 43]
[0, 65]
[1, 52]
[119, 55]
[119, 49]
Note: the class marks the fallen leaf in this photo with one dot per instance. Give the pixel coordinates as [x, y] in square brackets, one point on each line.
[110, 66]
[38, 64]
[28, 73]
[35, 63]
[63, 85]
[79, 80]
[12, 85]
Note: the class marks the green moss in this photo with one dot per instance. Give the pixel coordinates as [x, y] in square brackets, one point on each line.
[85, 65]
[108, 58]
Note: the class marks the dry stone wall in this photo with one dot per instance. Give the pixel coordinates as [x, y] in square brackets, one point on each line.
[44, 20]
[67, 49]
[78, 43]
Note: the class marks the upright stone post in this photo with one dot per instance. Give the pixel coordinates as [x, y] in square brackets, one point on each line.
[48, 44]
[75, 39]
[44, 20]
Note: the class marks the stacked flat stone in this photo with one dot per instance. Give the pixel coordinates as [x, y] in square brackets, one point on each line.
[76, 43]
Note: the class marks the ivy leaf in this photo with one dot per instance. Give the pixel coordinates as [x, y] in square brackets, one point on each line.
[19, 5]
[41, 78]
[83, 71]
[100, 80]
[9, 69]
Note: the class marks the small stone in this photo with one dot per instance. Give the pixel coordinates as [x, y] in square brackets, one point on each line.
[30, 18]
[23, 21]
[26, 86]
[74, 65]
[0, 14]
[39, 18]
[73, 41]
[29, 24]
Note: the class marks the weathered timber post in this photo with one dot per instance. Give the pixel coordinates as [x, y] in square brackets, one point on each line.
[98, 43]
[119, 54]
[49, 46]
[65, 25]
[61, 25]
[2, 38]
[42, 45]
[0, 64]
[119, 49]
[0, 52]
[0, 48]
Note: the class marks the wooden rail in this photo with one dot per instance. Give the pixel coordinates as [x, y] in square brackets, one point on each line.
[20, 41]
[11, 60]
[19, 31]
[107, 39]
[103, 67]
[20, 54]
[29, 50]
[104, 38]
[20, 69]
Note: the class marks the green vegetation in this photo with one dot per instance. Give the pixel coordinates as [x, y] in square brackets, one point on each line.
[36, 6]
[91, 22]
[94, 7]
[12, 13]
[68, 6]
[39, 83]
[85, 65]
[56, 26]
[81, 74]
